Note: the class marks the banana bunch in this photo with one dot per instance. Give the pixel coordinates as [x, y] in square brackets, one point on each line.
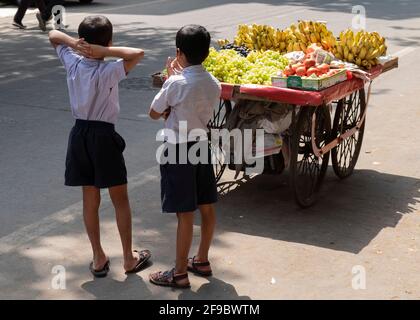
[261, 38]
[362, 48]
[307, 32]
[223, 42]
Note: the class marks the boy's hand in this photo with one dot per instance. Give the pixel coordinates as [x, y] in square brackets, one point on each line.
[91, 51]
[131, 56]
[166, 113]
[173, 66]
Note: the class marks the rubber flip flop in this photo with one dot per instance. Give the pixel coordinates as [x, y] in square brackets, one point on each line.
[144, 256]
[102, 273]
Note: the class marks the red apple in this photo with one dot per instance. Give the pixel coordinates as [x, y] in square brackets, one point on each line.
[312, 71]
[324, 68]
[309, 63]
[288, 71]
[301, 71]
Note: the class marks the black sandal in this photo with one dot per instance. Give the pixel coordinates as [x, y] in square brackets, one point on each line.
[169, 279]
[144, 256]
[197, 271]
[101, 273]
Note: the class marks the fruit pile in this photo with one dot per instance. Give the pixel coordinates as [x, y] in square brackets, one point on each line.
[362, 48]
[309, 68]
[294, 38]
[257, 68]
[307, 33]
[261, 37]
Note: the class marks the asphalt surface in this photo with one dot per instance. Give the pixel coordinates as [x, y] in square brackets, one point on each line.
[265, 246]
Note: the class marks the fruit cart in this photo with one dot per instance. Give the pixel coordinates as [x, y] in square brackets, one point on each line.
[323, 122]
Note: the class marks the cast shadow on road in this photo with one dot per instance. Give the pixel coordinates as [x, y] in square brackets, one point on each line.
[215, 289]
[347, 217]
[134, 287]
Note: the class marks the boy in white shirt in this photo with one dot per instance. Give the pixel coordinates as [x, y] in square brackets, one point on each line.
[95, 150]
[188, 98]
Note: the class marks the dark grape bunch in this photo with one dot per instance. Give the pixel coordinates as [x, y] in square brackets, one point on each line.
[242, 50]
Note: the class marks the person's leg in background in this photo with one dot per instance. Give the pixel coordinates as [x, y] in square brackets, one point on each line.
[47, 15]
[23, 7]
[20, 13]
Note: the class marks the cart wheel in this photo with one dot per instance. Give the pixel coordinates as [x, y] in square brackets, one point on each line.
[348, 113]
[307, 170]
[218, 155]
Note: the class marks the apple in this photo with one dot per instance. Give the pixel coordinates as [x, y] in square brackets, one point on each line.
[301, 71]
[309, 63]
[295, 66]
[312, 71]
[288, 71]
[324, 68]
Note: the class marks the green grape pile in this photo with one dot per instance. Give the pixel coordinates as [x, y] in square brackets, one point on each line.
[257, 68]
[227, 65]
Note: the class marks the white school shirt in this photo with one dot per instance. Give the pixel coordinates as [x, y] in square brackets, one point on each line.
[192, 97]
[92, 85]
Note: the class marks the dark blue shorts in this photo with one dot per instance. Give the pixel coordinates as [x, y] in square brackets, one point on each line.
[186, 186]
[95, 155]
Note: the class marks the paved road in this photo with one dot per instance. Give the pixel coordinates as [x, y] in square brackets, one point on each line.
[265, 247]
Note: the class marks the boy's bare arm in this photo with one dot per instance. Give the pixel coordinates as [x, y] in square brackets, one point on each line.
[131, 56]
[57, 37]
[156, 115]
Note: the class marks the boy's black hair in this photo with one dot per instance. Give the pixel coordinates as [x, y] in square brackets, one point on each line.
[96, 30]
[194, 41]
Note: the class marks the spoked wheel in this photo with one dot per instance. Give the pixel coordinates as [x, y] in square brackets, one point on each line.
[218, 155]
[307, 171]
[348, 113]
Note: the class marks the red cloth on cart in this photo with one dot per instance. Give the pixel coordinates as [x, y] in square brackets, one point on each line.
[298, 97]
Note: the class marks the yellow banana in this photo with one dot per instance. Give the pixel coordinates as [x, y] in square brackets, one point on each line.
[282, 46]
[345, 52]
[382, 49]
[362, 53]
